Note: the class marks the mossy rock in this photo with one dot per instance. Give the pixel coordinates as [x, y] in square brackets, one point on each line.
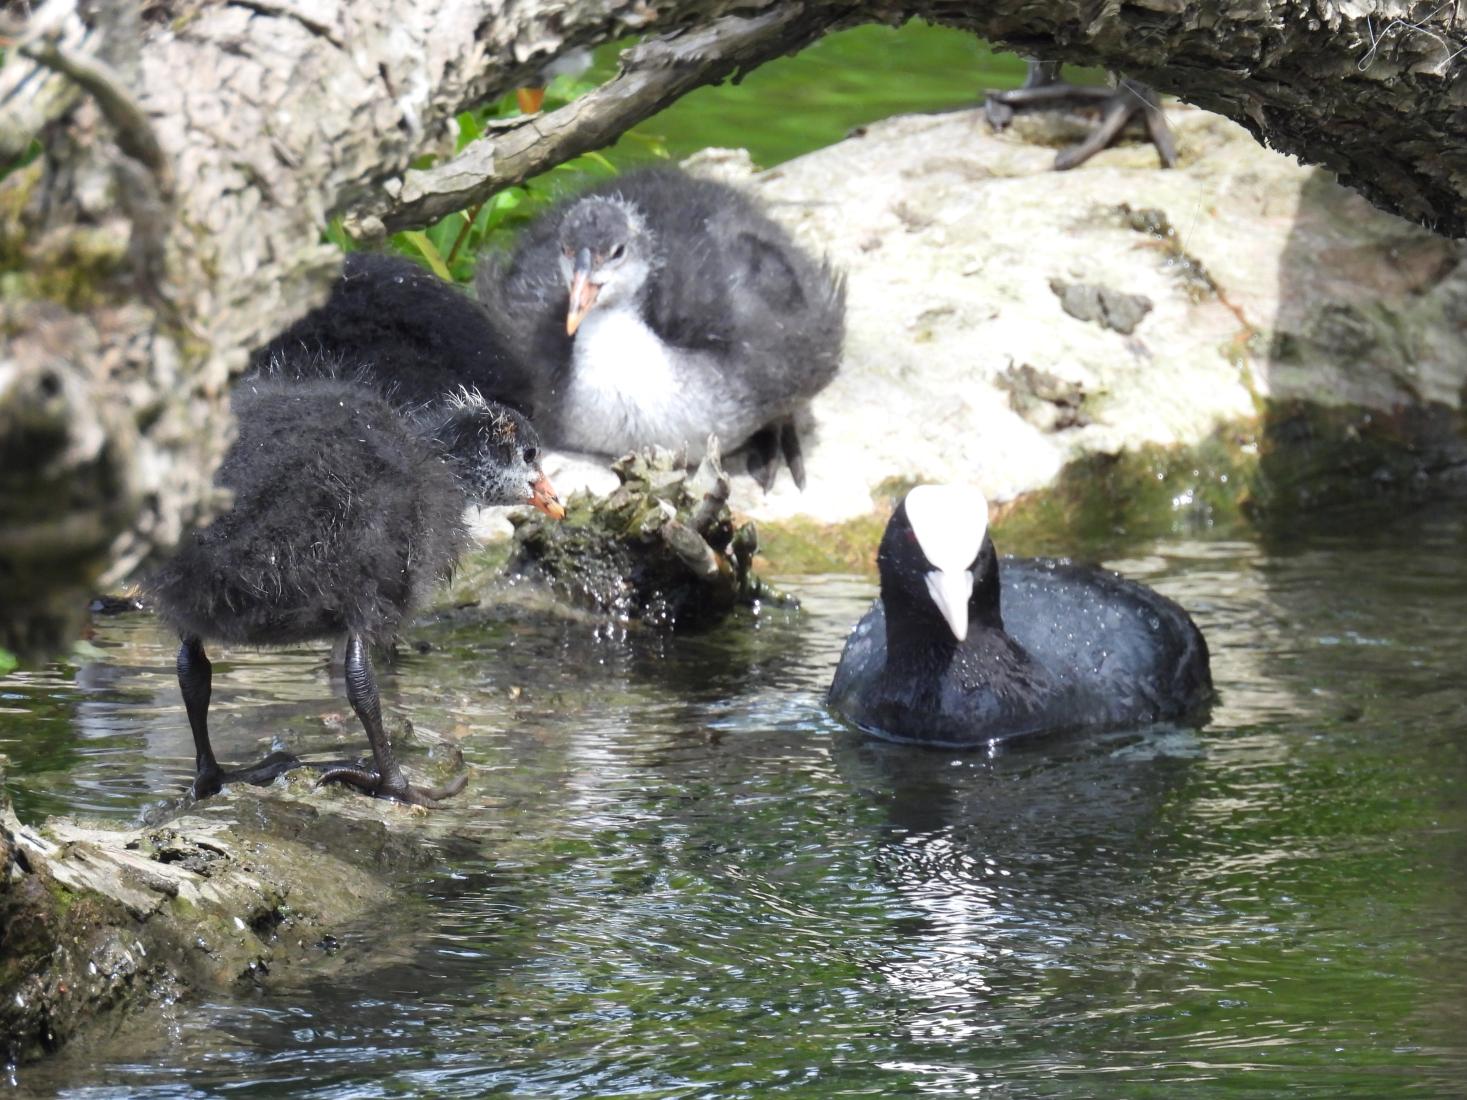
[662, 549]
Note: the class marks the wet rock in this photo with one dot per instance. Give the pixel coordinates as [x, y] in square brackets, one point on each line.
[96, 919]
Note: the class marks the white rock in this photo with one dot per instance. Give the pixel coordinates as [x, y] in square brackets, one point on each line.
[951, 236]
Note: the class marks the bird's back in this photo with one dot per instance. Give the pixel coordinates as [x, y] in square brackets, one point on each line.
[410, 332]
[343, 519]
[1094, 650]
[1140, 655]
[734, 282]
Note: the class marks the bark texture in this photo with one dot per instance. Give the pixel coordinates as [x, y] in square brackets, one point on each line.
[192, 150]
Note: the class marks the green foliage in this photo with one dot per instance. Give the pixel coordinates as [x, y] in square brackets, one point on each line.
[781, 110]
[450, 248]
[8, 661]
[33, 150]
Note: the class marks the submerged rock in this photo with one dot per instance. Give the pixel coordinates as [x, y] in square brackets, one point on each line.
[662, 548]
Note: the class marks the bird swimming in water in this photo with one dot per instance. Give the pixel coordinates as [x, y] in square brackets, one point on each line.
[964, 649]
[348, 512]
[411, 333]
[661, 309]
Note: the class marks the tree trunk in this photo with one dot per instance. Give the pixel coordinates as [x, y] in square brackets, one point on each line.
[192, 151]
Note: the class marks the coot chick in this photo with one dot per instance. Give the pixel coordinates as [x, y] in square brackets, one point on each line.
[1118, 107]
[347, 513]
[667, 308]
[406, 330]
[963, 650]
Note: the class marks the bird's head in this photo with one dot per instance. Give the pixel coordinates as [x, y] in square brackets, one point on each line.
[936, 556]
[496, 452]
[606, 253]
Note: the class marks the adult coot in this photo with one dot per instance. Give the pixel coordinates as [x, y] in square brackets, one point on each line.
[664, 309]
[348, 512]
[963, 649]
[406, 330]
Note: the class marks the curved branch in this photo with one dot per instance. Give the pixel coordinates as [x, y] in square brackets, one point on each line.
[652, 75]
[133, 132]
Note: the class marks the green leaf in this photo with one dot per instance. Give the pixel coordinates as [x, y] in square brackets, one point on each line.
[8, 661]
[335, 234]
[420, 241]
[469, 128]
[597, 158]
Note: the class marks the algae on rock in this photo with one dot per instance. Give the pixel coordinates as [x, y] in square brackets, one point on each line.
[96, 919]
[662, 549]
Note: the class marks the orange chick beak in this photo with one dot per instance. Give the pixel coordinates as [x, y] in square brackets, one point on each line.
[542, 496]
[582, 292]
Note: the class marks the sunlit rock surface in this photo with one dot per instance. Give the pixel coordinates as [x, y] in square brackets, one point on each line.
[1266, 282]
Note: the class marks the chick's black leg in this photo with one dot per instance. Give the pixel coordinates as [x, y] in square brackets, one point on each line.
[195, 683]
[385, 778]
[763, 461]
[794, 457]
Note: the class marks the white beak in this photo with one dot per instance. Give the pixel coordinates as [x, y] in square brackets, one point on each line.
[950, 592]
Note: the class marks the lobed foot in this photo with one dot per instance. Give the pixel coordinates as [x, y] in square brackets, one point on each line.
[370, 781]
[209, 781]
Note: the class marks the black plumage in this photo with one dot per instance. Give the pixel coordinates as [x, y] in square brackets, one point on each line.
[347, 514]
[409, 332]
[1039, 645]
[663, 308]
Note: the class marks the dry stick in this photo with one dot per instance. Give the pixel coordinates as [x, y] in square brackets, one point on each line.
[652, 75]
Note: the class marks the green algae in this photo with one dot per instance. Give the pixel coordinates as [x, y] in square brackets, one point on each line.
[1246, 476]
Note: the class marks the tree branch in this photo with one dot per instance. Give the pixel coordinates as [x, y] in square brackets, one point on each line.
[133, 132]
[652, 75]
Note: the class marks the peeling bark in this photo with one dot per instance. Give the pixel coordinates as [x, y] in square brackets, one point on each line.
[194, 149]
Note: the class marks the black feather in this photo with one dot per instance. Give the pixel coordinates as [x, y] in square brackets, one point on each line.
[344, 519]
[408, 331]
[1050, 646]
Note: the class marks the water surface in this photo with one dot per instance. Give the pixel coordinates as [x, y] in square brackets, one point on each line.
[686, 879]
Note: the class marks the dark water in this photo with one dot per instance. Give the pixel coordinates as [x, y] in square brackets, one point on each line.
[687, 880]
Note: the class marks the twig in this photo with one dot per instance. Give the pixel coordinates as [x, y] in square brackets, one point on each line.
[135, 135]
[471, 215]
[652, 75]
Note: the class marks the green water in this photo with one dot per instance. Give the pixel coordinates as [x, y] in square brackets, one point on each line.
[793, 105]
[685, 879]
